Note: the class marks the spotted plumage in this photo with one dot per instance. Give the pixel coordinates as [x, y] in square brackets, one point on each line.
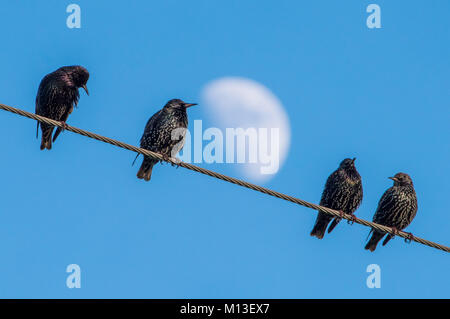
[164, 133]
[397, 208]
[343, 192]
[56, 97]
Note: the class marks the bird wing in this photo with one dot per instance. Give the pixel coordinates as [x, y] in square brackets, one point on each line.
[388, 207]
[383, 205]
[150, 127]
[331, 191]
[46, 95]
[37, 122]
[42, 97]
[356, 198]
[413, 208]
[64, 117]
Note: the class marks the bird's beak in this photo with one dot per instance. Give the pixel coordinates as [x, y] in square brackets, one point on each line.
[85, 88]
[353, 160]
[394, 179]
[186, 105]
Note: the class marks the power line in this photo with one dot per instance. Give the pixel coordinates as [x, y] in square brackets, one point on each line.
[229, 179]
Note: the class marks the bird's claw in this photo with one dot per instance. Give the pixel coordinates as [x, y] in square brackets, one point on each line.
[394, 231]
[165, 158]
[352, 219]
[64, 125]
[409, 238]
[176, 162]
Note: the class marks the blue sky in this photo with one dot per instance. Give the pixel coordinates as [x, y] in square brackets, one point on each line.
[381, 95]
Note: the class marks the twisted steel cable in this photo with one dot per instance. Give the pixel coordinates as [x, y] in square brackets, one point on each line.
[229, 179]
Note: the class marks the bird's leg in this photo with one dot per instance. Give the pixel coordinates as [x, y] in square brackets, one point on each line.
[64, 125]
[177, 162]
[409, 238]
[394, 231]
[165, 157]
[353, 219]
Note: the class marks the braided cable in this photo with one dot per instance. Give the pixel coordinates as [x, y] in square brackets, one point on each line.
[335, 213]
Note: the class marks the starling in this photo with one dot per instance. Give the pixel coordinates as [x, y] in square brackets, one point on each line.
[343, 192]
[161, 134]
[56, 96]
[396, 208]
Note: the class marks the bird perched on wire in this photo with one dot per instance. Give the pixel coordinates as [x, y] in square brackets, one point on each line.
[164, 133]
[56, 97]
[396, 208]
[343, 192]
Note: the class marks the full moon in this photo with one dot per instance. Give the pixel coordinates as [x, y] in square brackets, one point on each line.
[235, 102]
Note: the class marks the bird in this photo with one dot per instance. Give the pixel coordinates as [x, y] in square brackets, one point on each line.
[396, 208]
[56, 97]
[343, 192]
[164, 134]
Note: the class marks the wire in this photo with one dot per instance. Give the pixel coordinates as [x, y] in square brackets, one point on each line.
[232, 180]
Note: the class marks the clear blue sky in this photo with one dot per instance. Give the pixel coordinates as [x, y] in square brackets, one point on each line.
[380, 95]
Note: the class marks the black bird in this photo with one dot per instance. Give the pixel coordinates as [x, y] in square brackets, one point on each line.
[56, 97]
[396, 208]
[164, 134]
[343, 192]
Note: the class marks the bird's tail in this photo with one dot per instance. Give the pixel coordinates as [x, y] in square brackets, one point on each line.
[46, 141]
[145, 172]
[334, 224]
[387, 239]
[135, 159]
[321, 225]
[58, 131]
[373, 241]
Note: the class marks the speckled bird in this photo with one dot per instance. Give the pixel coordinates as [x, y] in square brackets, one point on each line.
[56, 97]
[396, 208]
[343, 192]
[164, 133]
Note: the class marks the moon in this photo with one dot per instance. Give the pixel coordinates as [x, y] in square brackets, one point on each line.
[236, 102]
